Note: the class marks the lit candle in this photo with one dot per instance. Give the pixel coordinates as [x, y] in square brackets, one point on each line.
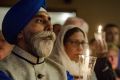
[86, 65]
[98, 34]
[100, 29]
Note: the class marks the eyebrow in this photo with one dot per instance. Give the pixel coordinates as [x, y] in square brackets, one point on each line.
[41, 16]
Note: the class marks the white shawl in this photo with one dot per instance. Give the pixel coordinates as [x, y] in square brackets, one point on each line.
[59, 55]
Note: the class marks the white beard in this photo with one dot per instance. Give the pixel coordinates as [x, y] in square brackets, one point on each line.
[44, 47]
[42, 43]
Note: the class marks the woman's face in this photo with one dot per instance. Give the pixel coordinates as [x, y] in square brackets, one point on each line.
[74, 45]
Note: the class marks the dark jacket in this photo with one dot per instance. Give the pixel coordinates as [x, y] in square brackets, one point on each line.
[103, 70]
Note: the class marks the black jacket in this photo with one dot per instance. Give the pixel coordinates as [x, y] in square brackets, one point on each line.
[103, 70]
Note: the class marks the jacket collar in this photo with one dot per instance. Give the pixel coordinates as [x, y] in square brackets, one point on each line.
[27, 56]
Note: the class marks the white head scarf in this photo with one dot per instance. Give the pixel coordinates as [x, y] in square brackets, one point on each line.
[59, 55]
[81, 23]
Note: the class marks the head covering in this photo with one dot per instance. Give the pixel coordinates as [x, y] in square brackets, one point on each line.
[18, 17]
[78, 22]
[60, 56]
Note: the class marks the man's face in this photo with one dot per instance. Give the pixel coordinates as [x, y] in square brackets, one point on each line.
[40, 22]
[112, 35]
[38, 35]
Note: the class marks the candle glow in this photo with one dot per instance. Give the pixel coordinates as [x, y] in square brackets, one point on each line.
[99, 33]
[100, 29]
[85, 68]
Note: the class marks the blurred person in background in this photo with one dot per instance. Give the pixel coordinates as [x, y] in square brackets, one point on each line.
[5, 47]
[5, 50]
[112, 32]
[56, 28]
[77, 22]
[103, 69]
[112, 56]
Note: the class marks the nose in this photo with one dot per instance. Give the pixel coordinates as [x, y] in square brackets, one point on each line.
[80, 49]
[48, 26]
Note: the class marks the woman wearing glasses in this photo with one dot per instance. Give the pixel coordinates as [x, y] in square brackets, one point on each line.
[68, 46]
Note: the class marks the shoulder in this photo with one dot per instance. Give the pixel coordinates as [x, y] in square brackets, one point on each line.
[55, 69]
[54, 64]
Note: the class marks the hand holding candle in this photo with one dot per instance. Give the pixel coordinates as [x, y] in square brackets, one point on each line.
[100, 38]
[86, 63]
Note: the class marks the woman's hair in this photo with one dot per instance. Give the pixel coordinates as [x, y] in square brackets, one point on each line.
[70, 32]
[114, 47]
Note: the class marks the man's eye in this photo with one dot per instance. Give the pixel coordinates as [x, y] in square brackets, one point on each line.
[39, 21]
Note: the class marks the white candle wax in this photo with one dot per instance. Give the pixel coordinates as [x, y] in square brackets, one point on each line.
[87, 53]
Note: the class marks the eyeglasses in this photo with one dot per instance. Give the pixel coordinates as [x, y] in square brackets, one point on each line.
[77, 43]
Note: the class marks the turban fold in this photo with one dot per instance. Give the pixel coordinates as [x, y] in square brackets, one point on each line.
[18, 17]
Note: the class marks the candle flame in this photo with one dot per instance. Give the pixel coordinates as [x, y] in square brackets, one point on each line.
[99, 28]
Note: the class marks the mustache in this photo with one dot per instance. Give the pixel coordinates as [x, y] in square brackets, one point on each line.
[45, 35]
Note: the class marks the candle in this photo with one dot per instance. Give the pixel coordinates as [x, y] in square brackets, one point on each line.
[100, 29]
[98, 34]
[86, 64]
[87, 53]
